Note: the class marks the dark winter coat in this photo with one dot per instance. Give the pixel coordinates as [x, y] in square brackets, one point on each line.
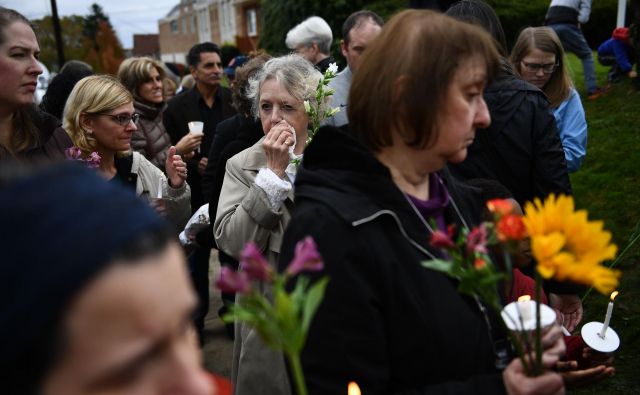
[51, 144]
[521, 148]
[187, 107]
[151, 139]
[386, 322]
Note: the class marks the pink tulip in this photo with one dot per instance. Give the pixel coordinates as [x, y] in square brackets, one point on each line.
[232, 281]
[440, 239]
[477, 240]
[254, 264]
[307, 258]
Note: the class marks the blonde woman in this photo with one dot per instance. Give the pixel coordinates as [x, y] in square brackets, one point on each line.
[144, 78]
[99, 117]
[539, 58]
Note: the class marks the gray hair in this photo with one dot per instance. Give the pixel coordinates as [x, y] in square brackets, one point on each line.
[312, 30]
[296, 74]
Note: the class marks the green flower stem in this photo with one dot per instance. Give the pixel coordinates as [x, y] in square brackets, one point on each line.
[538, 365]
[296, 367]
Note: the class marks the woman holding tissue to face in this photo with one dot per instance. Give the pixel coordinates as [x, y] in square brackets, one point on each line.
[99, 117]
[257, 197]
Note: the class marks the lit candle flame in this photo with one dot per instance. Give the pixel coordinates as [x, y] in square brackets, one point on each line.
[613, 295]
[524, 298]
[353, 389]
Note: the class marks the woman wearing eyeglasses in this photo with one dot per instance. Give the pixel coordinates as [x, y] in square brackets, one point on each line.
[99, 117]
[538, 57]
[143, 77]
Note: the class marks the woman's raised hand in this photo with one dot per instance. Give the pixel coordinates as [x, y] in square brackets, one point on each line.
[176, 169]
[276, 147]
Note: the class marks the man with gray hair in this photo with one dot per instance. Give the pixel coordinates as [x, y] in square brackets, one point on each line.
[312, 39]
[358, 31]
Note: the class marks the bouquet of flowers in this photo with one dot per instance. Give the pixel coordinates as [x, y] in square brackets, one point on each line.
[283, 323]
[566, 246]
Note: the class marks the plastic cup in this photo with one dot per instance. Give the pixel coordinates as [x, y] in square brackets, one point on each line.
[196, 127]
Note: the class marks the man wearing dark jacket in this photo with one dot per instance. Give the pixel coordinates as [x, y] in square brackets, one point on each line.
[210, 103]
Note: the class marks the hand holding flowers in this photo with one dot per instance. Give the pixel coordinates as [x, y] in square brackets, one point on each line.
[565, 244]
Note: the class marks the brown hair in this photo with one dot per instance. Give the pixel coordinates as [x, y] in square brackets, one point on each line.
[558, 88]
[25, 133]
[133, 72]
[405, 74]
[239, 97]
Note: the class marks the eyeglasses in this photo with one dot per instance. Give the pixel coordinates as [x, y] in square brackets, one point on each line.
[547, 68]
[122, 119]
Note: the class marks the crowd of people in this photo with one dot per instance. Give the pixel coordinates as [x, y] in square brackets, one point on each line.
[97, 182]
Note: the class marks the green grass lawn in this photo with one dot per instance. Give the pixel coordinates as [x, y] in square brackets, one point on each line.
[608, 186]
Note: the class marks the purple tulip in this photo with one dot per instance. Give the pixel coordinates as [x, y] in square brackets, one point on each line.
[477, 240]
[307, 258]
[254, 264]
[232, 281]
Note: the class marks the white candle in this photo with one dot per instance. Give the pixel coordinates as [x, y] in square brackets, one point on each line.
[607, 317]
[525, 307]
[160, 186]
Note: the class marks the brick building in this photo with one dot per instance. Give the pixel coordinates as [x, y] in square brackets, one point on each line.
[233, 22]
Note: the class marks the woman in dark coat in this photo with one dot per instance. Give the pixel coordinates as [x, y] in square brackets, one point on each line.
[371, 200]
[143, 77]
[25, 132]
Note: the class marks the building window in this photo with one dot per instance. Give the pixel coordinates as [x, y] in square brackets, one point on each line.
[184, 25]
[193, 23]
[174, 26]
[252, 22]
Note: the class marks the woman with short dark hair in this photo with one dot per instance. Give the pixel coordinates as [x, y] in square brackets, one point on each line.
[371, 201]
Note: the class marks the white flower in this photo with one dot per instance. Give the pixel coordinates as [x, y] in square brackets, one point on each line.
[307, 107]
[332, 112]
[333, 68]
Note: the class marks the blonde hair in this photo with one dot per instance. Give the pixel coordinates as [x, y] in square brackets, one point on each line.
[133, 72]
[92, 95]
[558, 88]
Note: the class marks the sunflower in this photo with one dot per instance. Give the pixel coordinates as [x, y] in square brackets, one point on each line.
[567, 246]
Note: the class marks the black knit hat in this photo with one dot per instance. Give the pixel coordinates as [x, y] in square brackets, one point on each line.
[59, 229]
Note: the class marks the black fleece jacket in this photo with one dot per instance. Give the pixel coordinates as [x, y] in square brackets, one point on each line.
[386, 322]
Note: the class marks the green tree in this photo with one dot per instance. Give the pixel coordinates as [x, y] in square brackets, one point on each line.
[105, 52]
[72, 35]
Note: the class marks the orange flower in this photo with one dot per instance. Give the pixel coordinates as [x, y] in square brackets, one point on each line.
[500, 207]
[479, 263]
[511, 227]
